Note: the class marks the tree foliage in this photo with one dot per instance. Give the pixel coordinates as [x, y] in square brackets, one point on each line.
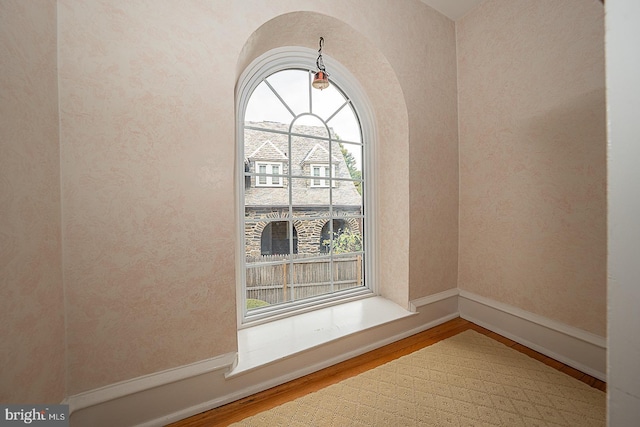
[351, 165]
[344, 241]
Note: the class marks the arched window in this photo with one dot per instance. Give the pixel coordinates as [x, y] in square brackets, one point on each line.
[330, 231]
[275, 239]
[303, 157]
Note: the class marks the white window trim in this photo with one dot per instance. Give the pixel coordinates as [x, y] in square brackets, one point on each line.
[269, 179]
[323, 179]
[295, 57]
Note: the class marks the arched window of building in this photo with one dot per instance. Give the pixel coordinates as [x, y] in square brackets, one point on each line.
[330, 231]
[275, 239]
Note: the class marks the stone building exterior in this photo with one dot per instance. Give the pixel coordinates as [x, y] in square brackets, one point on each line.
[267, 197]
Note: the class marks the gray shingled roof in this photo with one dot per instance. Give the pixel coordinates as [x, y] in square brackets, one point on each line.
[274, 147]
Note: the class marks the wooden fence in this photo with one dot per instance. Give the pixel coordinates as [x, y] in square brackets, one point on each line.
[282, 282]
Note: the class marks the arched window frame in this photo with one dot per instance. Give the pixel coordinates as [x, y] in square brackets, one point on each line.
[280, 59]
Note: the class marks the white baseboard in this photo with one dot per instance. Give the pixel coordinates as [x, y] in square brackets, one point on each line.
[571, 346]
[124, 389]
[165, 397]
[430, 299]
[169, 396]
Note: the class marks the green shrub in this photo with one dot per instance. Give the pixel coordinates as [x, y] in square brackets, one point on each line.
[345, 241]
[255, 303]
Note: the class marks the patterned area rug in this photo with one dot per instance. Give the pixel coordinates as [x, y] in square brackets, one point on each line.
[466, 380]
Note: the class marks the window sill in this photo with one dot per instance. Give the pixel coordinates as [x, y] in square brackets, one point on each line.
[269, 342]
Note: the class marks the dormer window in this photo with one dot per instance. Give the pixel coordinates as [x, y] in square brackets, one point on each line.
[266, 174]
[321, 175]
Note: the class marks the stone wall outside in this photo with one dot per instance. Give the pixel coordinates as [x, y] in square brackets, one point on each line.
[308, 231]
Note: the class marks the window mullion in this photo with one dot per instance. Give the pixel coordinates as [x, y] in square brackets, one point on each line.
[310, 88]
[291, 272]
[331, 260]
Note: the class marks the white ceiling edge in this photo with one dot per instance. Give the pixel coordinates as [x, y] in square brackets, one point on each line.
[453, 9]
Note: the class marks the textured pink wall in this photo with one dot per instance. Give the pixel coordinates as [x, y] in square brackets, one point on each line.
[32, 343]
[147, 173]
[533, 157]
[147, 144]
[431, 91]
[147, 153]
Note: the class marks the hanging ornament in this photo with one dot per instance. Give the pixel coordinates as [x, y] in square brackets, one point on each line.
[320, 78]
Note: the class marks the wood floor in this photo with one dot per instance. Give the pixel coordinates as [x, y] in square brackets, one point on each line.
[275, 396]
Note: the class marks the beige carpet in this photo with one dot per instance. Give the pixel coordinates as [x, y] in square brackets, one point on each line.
[466, 380]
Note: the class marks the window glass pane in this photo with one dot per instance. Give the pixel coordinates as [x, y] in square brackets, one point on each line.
[308, 234]
[310, 125]
[267, 285]
[316, 172]
[267, 195]
[352, 155]
[275, 169]
[312, 152]
[345, 125]
[345, 195]
[348, 271]
[265, 146]
[345, 236]
[252, 235]
[309, 200]
[293, 88]
[312, 278]
[270, 240]
[330, 229]
[349, 169]
[326, 102]
[275, 239]
[264, 106]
